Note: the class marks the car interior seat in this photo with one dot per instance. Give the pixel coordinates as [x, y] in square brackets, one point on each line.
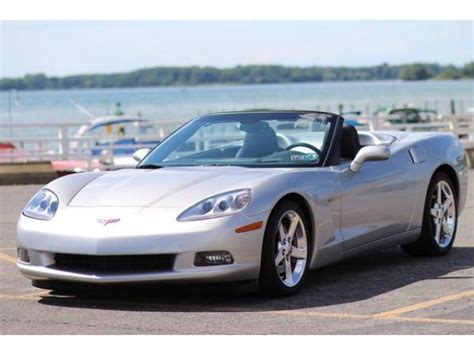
[350, 144]
[260, 140]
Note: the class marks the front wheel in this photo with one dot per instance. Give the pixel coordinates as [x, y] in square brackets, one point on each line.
[285, 253]
[439, 219]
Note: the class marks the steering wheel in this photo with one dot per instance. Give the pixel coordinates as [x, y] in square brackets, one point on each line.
[306, 145]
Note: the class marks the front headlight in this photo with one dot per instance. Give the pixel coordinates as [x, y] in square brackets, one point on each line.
[217, 206]
[43, 205]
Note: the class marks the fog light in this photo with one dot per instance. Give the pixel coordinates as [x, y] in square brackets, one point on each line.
[23, 255]
[209, 258]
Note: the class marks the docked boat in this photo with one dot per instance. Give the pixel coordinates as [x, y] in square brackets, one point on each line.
[110, 141]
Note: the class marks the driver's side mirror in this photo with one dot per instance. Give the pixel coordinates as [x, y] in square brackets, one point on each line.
[140, 154]
[369, 153]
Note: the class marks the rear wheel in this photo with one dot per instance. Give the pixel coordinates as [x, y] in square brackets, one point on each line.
[285, 254]
[439, 219]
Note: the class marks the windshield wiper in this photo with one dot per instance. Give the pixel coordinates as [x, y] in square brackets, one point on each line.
[268, 160]
[149, 166]
[213, 164]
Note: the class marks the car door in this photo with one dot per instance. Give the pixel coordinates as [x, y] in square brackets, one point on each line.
[377, 201]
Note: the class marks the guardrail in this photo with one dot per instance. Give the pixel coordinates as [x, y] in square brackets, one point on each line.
[56, 142]
[460, 125]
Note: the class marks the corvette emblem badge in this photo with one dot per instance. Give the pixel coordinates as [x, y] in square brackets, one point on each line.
[107, 221]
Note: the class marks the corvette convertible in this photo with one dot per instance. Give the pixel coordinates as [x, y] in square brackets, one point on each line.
[238, 196]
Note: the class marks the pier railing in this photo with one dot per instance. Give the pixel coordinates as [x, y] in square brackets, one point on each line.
[462, 126]
[56, 141]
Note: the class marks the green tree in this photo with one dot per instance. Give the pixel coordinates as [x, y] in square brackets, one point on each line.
[414, 72]
[35, 81]
[450, 73]
[246, 74]
[468, 70]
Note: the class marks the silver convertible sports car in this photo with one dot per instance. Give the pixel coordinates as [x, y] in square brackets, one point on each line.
[244, 196]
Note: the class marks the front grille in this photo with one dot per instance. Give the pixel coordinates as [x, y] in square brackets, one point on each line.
[110, 264]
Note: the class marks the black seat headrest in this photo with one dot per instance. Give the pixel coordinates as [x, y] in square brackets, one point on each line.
[260, 140]
[350, 144]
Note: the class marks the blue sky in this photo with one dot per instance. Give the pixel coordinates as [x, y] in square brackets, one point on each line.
[72, 47]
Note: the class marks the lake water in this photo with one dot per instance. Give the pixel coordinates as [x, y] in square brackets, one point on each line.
[182, 103]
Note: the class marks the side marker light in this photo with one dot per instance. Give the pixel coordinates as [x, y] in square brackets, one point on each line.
[249, 227]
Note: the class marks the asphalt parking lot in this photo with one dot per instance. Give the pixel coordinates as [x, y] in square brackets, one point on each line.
[384, 292]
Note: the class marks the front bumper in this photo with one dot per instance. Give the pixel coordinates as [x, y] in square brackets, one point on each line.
[232, 272]
[141, 231]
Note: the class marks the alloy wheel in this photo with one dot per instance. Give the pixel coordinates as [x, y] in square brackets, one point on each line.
[443, 213]
[291, 252]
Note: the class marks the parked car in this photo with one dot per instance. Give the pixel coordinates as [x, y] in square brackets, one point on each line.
[247, 196]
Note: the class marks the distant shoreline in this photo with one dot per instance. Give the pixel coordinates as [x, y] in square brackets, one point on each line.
[230, 85]
[248, 74]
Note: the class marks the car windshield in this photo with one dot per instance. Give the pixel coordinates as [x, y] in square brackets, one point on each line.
[251, 139]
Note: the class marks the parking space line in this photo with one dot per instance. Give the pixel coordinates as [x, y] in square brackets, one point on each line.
[5, 249]
[367, 317]
[422, 305]
[433, 320]
[8, 258]
[322, 314]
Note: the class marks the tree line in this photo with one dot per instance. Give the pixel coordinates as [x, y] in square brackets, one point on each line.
[241, 74]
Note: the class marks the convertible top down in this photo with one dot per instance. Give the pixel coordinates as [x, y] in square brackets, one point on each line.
[261, 195]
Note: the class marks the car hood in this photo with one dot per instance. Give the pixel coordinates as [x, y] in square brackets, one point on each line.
[169, 186]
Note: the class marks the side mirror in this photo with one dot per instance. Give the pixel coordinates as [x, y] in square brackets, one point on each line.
[140, 154]
[369, 153]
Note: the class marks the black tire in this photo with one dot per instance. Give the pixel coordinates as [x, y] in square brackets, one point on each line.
[426, 245]
[269, 281]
